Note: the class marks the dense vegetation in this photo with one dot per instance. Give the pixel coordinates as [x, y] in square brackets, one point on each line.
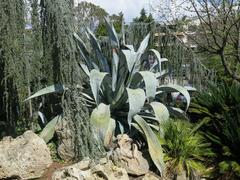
[52, 70]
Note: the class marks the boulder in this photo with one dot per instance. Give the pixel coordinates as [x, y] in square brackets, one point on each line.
[24, 157]
[127, 156]
[85, 170]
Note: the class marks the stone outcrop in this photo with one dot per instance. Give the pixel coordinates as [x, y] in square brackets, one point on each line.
[24, 157]
[127, 156]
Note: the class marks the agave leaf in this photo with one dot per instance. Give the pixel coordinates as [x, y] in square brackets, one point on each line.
[160, 61]
[102, 123]
[81, 43]
[143, 44]
[137, 127]
[85, 69]
[84, 52]
[57, 88]
[176, 88]
[154, 146]
[87, 96]
[130, 47]
[153, 66]
[48, 131]
[147, 116]
[131, 58]
[42, 117]
[112, 34]
[136, 101]
[115, 62]
[160, 111]
[150, 83]
[121, 127]
[109, 133]
[102, 62]
[96, 79]
[157, 54]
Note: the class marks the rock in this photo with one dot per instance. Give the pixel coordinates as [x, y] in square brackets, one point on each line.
[84, 170]
[109, 171]
[66, 148]
[78, 171]
[127, 156]
[24, 157]
[151, 176]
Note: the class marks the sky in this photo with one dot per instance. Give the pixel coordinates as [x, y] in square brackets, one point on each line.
[130, 8]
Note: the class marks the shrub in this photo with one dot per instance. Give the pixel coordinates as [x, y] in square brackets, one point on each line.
[218, 113]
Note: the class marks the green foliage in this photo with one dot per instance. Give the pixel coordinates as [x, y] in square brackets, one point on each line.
[87, 14]
[144, 18]
[218, 113]
[117, 23]
[13, 83]
[186, 151]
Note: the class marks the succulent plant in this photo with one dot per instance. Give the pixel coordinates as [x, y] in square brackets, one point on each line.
[120, 92]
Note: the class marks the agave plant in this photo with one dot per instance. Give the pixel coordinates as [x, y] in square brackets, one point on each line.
[120, 92]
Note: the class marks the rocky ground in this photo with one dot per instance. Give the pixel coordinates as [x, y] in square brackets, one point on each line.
[28, 157]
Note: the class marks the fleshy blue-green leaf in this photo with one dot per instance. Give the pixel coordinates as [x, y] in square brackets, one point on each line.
[143, 44]
[84, 52]
[57, 88]
[85, 69]
[48, 131]
[176, 88]
[150, 83]
[131, 58]
[103, 124]
[160, 61]
[102, 62]
[160, 111]
[136, 99]
[96, 79]
[112, 34]
[115, 63]
[130, 47]
[154, 146]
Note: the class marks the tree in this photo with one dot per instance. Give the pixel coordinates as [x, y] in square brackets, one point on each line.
[89, 15]
[144, 17]
[117, 21]
[219, 32]
[12, 64]
[61, 57]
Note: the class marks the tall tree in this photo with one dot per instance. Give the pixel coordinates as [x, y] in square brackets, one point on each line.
[117, 21]
[60, 54]
[219, 32]
[144, 17]
[89, 15]
[12, 63]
